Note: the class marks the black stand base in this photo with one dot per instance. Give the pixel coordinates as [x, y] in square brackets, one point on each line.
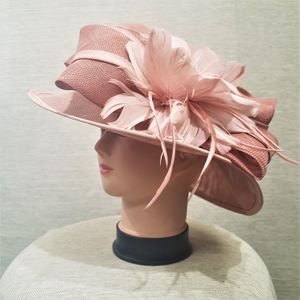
[152, 251]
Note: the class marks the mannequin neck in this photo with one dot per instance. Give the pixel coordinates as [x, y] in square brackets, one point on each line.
[164, 218]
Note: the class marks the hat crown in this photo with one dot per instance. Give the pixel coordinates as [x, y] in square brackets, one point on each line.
[90, 77]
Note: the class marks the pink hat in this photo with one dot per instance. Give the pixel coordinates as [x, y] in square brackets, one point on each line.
[154, 87]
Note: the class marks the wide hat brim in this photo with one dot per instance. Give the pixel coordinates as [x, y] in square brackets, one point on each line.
[223, 184]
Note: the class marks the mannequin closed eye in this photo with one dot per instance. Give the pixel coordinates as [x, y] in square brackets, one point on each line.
[103, 131]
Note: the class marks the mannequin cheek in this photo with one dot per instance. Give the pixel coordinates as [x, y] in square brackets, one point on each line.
[141, 181]
[148, 167]
[123, 181]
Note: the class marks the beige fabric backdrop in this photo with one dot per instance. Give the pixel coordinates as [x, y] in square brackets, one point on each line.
[49, 173]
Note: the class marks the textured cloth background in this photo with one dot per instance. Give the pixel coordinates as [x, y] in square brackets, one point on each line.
[49, 173]
[77, 262]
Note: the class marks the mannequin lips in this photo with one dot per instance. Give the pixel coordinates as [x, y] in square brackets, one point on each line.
[104, 169]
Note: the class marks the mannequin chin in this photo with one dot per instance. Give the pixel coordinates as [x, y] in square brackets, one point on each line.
[135, 177]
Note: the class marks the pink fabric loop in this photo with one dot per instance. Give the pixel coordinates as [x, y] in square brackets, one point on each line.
[266, 109]
[252, 161]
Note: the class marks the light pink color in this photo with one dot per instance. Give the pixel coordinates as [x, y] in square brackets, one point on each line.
[154, 87]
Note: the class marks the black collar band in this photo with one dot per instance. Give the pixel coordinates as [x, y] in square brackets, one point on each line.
[152, 251]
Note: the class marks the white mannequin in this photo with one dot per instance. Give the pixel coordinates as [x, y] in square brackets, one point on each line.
[135, 177]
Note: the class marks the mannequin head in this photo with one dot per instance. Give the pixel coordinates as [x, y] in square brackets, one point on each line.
[135, 177]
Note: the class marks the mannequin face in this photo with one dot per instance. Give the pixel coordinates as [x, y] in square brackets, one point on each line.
[135, 165]
[136, 169]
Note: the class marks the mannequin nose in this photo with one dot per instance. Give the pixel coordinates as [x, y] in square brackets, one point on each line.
[105, 143]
